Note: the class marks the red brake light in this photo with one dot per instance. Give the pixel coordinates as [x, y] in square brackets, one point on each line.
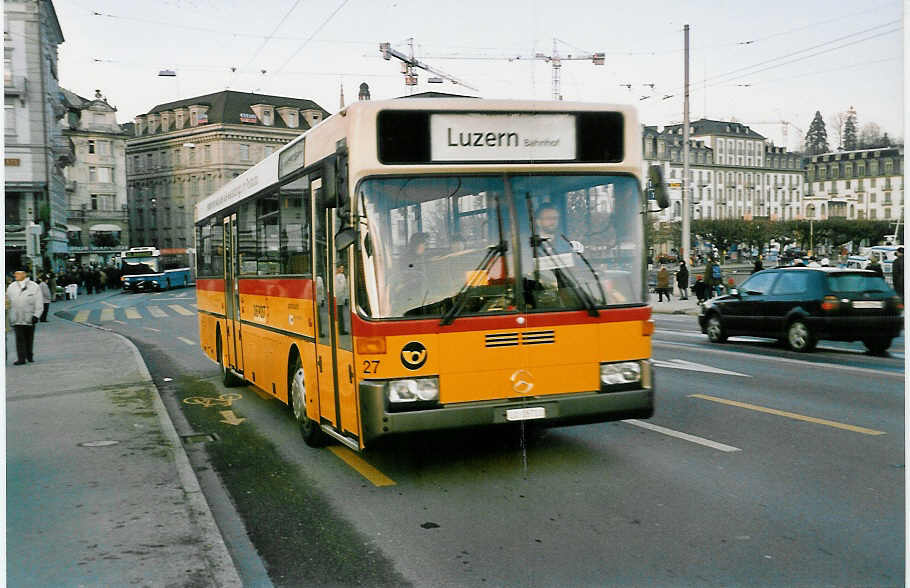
[830, 303]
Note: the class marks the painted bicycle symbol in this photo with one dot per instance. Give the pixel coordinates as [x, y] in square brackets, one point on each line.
[210, 401]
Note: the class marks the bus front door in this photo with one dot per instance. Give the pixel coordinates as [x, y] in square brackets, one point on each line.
[232, 342]
[334, 351]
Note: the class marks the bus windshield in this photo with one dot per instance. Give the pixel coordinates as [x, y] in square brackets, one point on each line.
[449, 246]
[136, 266]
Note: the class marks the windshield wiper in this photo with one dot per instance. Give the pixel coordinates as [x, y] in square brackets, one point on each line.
[494, 251]
[600, 287]
[569, 278]
[543, 243]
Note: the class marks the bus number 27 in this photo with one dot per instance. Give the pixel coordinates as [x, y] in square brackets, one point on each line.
[371, 366]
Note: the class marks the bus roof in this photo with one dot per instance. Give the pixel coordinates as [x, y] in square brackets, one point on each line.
[366, 157]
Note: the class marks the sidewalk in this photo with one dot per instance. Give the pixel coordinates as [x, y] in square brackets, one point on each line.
[99, 488]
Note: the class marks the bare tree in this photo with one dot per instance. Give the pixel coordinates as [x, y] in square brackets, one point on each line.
[870, 136]
[836, 130]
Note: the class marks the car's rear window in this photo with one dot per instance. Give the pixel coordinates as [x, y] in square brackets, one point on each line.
[857, 283]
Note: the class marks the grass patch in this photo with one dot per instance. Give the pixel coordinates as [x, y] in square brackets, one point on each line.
[295, 529]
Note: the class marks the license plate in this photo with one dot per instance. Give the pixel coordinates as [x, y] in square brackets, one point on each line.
[526, 414]
[868, 304]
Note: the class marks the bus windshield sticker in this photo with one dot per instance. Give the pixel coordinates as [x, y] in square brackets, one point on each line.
[502, 137]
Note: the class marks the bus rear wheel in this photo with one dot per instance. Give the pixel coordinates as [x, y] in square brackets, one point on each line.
[309, 429]
[227, 376]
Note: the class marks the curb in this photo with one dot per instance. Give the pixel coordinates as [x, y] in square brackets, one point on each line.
[221, 565]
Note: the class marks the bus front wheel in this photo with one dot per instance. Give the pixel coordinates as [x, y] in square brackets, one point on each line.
[309, 429]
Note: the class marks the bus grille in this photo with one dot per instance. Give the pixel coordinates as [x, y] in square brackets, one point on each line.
[538, 337]
[501, 339]
[513, 339]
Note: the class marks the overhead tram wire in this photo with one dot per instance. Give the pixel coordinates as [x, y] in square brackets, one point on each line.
[265, 41]
[743, 70]
[310, 38]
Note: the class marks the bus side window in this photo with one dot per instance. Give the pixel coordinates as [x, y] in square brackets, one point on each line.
[294, 235]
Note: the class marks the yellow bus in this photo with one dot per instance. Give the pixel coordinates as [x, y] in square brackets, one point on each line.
[423, 264]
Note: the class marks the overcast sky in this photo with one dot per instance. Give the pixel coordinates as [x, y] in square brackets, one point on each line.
[757, 62]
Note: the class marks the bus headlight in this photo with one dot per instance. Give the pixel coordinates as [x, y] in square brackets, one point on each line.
[413, 390]
[620, 373]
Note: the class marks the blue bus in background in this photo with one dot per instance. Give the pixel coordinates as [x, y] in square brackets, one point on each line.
[144, 269]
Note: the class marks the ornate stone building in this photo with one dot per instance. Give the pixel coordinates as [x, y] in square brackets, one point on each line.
[861, 184]
[35, 152]
[183, 151]
[97, 225]
[733, 171]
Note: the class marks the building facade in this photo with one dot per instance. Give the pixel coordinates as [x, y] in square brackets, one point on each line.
[183, 151]
[734, 172]
[97, 225]
[860, 184]
[35, 151]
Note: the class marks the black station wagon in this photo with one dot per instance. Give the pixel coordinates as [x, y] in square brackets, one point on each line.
[799, 306]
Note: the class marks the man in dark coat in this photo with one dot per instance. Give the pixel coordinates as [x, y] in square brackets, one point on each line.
[682, 280]
[897, 272]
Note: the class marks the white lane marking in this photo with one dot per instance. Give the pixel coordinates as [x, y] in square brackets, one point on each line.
[743, 338]
[776, 359]
[151, 329]
[109, 304]
[684, 436]
[180, 310]
[156, 312]
[187, 341]
[132, 313]
[681, 364]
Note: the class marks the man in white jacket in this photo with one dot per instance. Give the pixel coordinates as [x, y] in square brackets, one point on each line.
[25, 307]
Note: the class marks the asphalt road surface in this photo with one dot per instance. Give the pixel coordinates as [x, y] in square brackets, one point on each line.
[761, 466]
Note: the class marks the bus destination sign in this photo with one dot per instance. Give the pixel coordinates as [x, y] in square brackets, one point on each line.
[502, 137]
[291, 159]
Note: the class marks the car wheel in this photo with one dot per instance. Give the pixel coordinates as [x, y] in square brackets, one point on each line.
[715, 329]
[800, 337]
[227, 376]
[877, 346]
[309, 429]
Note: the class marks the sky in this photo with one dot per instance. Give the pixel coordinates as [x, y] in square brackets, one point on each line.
[759, 62]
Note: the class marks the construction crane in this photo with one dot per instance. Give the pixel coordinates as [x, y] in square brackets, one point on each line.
[555, 60]
[409, 65]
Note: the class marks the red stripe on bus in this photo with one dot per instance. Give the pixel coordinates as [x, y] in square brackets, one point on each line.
[281, 287]
[210, 284]
[363, 328]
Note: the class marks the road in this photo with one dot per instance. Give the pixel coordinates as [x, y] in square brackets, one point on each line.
[760, 466]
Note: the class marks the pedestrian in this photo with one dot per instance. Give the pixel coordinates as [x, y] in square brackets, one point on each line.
[52, 284]
[876, 267]
[682, 280]
[663, 284]
[897, 271]
[45, 296]
[758, 265]
[25, 307]
[700, 289]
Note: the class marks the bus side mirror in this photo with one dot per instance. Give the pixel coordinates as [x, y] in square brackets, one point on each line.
[345, 238]
[657, 187]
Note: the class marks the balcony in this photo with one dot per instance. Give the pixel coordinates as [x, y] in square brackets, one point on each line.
[15, 85]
